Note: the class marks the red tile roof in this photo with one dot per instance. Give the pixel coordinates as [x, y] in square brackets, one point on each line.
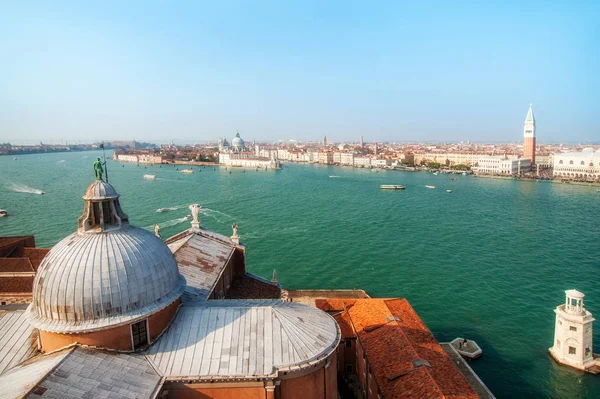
[393, 336]
[334, 304]
[15, 265]
[15, 285]
[345, 324]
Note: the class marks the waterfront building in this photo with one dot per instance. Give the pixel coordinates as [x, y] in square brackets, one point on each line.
[347, 158]
[325, 157]
[573, 334]
[363, 162]
[138, 158]
[380, 163]
[451, 158]
[529, 136]
[577, 165]
[337, 157]
[502, 166]
[237, 155]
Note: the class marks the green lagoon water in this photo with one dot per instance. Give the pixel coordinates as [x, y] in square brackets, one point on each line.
[488, 261]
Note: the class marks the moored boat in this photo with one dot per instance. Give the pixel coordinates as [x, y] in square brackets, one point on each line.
[391, 187]
[3, 213]
[150, 177]
[187, 171]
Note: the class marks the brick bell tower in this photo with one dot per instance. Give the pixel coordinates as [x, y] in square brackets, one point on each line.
[529, 136]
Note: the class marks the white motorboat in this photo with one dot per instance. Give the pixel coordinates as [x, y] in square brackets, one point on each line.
[448, 191]
[187, 171]
[150, 177]
[429, 186]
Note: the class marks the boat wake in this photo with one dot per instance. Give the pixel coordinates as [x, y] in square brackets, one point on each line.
[170, 223]
[212, 213]
[21, 188]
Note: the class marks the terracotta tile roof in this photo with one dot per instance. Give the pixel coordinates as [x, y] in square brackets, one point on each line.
[343, 319]
[334, 304]
[15, 265]
[16, 284]
[35, 255]
[393, 337]
[248, 287]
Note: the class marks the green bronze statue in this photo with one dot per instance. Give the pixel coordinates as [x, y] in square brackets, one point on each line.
[98, 169]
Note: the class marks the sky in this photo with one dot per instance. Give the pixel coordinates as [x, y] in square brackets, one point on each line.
[280, 70]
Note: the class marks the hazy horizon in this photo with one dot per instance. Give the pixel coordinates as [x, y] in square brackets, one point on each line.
[192, 72]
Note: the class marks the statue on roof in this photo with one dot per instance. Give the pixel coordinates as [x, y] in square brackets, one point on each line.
[157, 230]
[98, 168]
[235, 229]
[195, 209]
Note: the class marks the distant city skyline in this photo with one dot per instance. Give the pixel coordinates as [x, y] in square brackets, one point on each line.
[192, 72]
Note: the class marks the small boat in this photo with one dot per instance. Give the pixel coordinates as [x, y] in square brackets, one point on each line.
[188, 217]
[428, 186]
[159, 210]
[464, 173]
[452, 178]
[435, 173]
[448, 191]
[14, 159]
[150, 177]
[334, 177]
[391, 187]
[187, 171]
[3, 213]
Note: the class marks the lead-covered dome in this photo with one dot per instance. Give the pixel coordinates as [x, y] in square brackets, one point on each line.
[106, 274]
[237, 141]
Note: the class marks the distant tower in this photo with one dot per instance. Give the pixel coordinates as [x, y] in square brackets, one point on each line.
[573, 333]
[376, 148]
[529, 136]
[324, 141]
[360, 142]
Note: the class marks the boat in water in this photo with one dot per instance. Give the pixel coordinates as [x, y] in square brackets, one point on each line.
[159, 210]
[334, 177]
[188, 217]
[464, 173]
[3, 213]
[391, 187]
[429, 186]
[186, 171]
[435, 173]
[150, 177]
[448, 191]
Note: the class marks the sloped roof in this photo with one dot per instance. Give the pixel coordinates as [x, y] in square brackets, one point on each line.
[201, 257]
[18, 339]
[393, 336]
[17, 382]
[88, 373]
[530, 117]
[243, 339]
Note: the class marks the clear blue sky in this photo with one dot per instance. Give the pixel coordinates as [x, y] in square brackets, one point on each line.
[193, 71]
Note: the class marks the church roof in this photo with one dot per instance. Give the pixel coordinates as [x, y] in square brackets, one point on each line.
[237, 339]
[201, 257]
[18, 339]
[100, 190]
[82, 373]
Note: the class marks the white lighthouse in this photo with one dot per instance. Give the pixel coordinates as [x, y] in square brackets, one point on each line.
[573, 333]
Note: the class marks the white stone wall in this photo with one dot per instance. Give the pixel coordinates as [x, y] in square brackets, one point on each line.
[585, 164]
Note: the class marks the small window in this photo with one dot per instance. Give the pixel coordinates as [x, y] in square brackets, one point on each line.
[587, 351]
[570, 162]
[572, 350]
[139, 334]
[348, 343]
[572, 328]
[583, 162]
[96, 211]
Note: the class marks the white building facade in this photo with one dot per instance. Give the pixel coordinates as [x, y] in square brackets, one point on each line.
[577, 165]
[573, 333]
[502, 166]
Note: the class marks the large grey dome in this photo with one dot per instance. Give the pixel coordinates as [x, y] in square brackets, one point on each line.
[108, 275]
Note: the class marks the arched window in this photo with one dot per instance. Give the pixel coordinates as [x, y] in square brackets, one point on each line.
[570, 162]
[591, 164]
[583, 162]
[560, 162]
